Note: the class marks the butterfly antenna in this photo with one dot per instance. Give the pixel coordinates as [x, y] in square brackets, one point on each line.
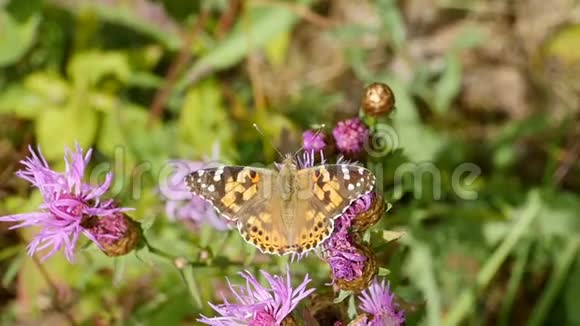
[271, 142]
[315, 134]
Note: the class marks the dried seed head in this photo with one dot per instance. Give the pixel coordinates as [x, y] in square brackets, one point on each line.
[378, 100]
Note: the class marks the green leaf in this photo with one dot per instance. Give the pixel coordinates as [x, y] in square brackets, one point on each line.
[384, 271]
[128, 17]
[420, 267]
[419, 142]
[16, 37]
[51, 87]
[389, 235]
[554, 285]
[120, 267]
[192, 285]
[277, 48]
[572, 293]
[258, 26]
[564, 45]
[342, 295]
[88, 68]
[392, 21]
[523, 218]
[12, 270]
[449, 85]
[56, 129]
[21, 102]
[272, 124]
[351, 309]
[125, 121]
[203, 122]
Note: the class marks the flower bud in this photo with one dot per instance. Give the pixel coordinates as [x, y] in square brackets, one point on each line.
[378, 100]
[351, 136]
[117, 234]
[289, 321]
[371, 216]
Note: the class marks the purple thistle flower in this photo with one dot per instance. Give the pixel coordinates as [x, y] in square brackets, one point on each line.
[68, 202]
[308, 160]
[313, 141]
[378, 301]
[181, 204]
[345, 260]
[350, 136]
[258, 305]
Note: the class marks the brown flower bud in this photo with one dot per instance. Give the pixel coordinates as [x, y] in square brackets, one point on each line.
[117, 234]
[378, 100]
[370, 270]
[324, 310]
[370, 217]
[289, 321]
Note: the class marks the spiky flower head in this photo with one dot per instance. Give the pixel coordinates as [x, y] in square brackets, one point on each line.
[68, 201]
[258, 305]
[350, 136]
[379, 304]
[313, 141]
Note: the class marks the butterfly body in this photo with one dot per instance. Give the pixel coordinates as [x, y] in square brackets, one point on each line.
[287, 211]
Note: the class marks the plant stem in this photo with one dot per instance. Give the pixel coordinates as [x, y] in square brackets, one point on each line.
[514, 283]
[180, 261]
[185, 54]
[54, 290]
[555, 283]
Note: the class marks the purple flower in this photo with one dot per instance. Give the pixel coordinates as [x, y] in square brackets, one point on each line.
[378, 301]
[68, 202]
[345, 260]
[313, 141]
[181, 204]
[308, 160]
[258, 305]
[350, 136]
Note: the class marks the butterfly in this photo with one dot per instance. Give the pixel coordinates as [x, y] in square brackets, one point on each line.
[287, 211]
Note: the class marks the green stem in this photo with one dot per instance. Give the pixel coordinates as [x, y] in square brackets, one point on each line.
[176, 259]
[514, 283]
[466, 300]
[555, 283]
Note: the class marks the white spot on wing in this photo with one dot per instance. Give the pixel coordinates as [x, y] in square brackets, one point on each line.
[218, 173]
[200, 172]
[350, 187]
[360, 170]
[211, 188]
[345, 173]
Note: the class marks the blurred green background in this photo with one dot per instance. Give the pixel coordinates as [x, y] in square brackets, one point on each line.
[488, 82]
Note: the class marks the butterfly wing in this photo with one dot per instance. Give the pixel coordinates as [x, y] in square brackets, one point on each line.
[248, 196]
[324, 193]
[232, 190]
[262, 226]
